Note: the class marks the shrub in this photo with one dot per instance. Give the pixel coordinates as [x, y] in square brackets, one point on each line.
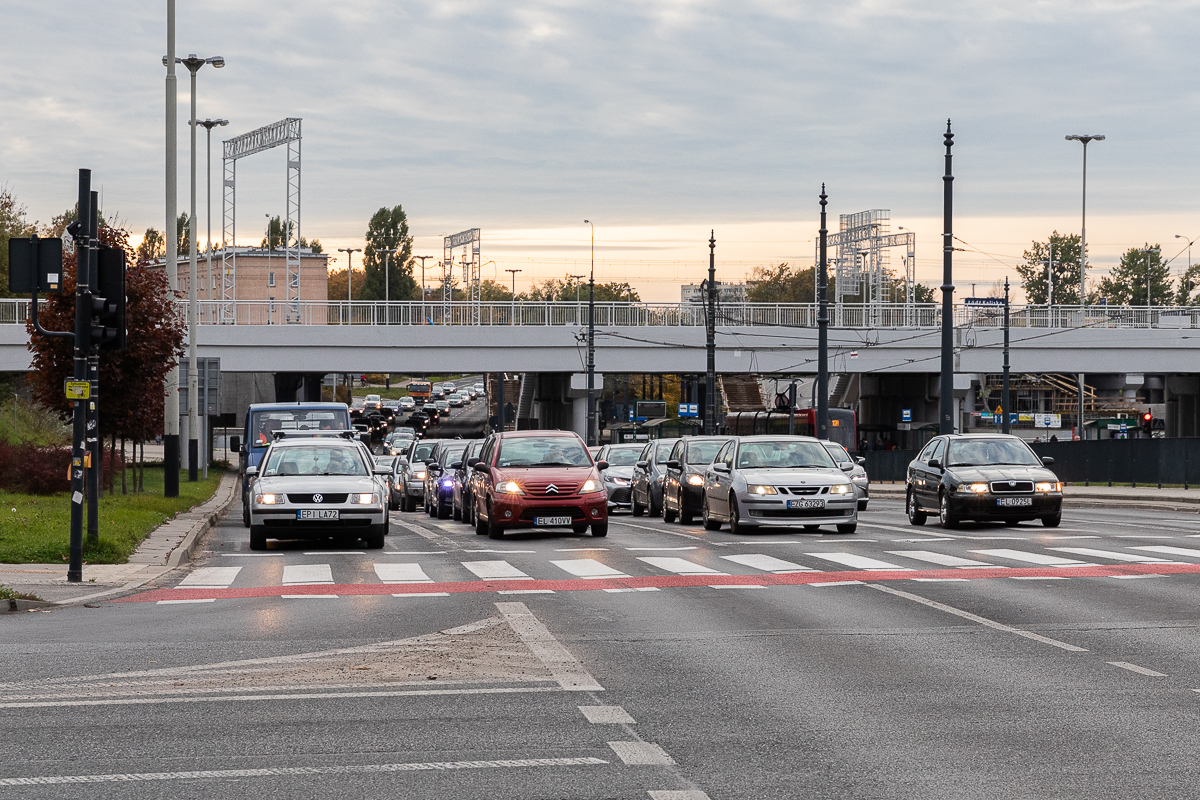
[29, 469]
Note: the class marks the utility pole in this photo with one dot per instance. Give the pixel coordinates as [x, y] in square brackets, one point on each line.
[1084, 139]
[710, 339]
[171, 404]
[209, 124]
[87, 265]
[822, 387]
[946, 404]
[1005, 423]
[591, 345]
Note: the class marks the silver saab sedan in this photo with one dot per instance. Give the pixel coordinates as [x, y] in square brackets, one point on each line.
[316, 488]
[777, 481]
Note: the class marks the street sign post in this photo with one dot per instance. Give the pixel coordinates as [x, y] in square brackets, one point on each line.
[906, 415]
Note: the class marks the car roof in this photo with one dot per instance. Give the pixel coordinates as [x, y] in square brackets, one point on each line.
[779, 437]
[335, 441]
[282, 406]
[981, 436]
[523, 434]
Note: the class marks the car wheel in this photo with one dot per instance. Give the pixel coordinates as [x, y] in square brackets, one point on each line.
[947, 517]
[668, 512]
[862, 505]
[1012, 523]
[456, 513]
[245, 511]
[655, 510]
[494, 531]
[636, 508]
[258, 537]
[1052, 522]
[579, 527]
[443, 511]
[849, 527]
[915, 515]
[431, 509]
[710, 524]
[735, 519]
[599, 529]
[375, 538]
[481, 526]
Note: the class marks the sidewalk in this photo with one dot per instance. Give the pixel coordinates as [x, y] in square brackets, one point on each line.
[167, 546]
[1074, 496]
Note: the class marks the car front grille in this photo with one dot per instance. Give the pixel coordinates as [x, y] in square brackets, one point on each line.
[326, 499]
[621, 495]
[804, 489]
[1006, 487]
[538, 488]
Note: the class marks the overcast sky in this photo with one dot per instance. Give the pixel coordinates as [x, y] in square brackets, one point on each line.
[657, 120]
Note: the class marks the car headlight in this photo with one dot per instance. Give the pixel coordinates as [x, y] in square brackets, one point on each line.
[509, 487]
[268, 499]
[973, 488]
[588, 486]
[696, 480]
[1047, 487]
[447, 482]
[420, 475]
[621, 481]
[841, 488]
[364, 499]
[761, 489]
[399, 483]
[859, 478]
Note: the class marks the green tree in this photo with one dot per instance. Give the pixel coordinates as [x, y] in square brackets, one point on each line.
[490, 292]
[1187, 294]
[388, 230]
[564, 290]
[183, 231]
[1035, 273]
[782, 283]
[1126, 284]
[153, 247]
[12, 224]
[274, 238]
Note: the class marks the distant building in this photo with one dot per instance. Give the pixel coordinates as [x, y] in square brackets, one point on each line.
[260, 274]
[726, 292]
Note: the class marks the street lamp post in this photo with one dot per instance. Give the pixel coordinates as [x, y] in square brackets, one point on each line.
[591, 348]
[349, 251]
[1149, 300]
[387, 288]
[193, 64]
[822, 387]
[422, 259]
[513, 272]
[171, 387]
[1084, 139]
[946, 401]
[209, 124]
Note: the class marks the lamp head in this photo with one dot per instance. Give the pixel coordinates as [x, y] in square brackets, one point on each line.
[217, 61]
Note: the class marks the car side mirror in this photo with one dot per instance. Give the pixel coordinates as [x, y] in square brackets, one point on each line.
[720, 467]
[935, 463]
[674, 463]
[1047, 461]
[472, 461]
[402, 461]
[480, 467]
[456, 465]
[365, 438]
[382, 471]
[235, 444]
[643, 465]
[601, 465]
[847, 466]
[862, 462]
[251, 472]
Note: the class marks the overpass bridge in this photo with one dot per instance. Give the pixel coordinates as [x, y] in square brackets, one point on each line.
[550, 337]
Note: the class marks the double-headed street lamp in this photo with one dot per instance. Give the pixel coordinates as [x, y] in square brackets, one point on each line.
[1084, 139]
[209, 124]
[591, 349]
[193, 64]
[349, 251]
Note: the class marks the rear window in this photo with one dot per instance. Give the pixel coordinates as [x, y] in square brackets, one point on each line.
[422, 450]
[703, 452]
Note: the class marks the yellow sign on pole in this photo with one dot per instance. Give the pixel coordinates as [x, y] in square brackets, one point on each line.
[78, 390]
[999, 410]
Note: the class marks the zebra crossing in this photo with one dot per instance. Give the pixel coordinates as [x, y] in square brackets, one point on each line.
[605, 565]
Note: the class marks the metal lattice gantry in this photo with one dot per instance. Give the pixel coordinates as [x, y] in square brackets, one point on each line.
[285, 131]
[470, 262]
[861, 262]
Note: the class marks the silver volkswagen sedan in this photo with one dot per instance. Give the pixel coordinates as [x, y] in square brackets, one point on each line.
[316, 488]
[777, 481]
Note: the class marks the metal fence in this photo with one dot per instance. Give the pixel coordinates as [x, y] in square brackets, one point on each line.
[610, 315]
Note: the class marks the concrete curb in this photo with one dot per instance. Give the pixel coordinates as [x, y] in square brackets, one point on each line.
[17, 606]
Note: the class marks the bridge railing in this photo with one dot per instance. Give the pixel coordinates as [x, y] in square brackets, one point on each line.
[15, 311]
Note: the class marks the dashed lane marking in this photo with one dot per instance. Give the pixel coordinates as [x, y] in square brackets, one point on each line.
[496, 570]
[401, 573]
[679, 566]
[939, 558]
[767, 563]
[210, 578]
[565, 668]
[677, 794]
[859, 562]
[641, 753]
[300, 574]
[1139, 670]
[607, 715]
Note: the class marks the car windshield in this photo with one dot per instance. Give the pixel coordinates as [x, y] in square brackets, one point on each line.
[703, 452]
[622, 456]
[663, 453]
[263, 424]
[313, 459]
[783, 455]
[543, 451]
[987, 452]
[422, 451]
[450, 454]
[838, 452]
[385, 461]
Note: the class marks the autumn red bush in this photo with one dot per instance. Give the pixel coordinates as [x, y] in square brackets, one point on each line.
[28, 469]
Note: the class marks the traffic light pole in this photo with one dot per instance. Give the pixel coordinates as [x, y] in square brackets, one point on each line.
[822, 386]
[92, 468]
[83, 327]
[1006, 420]
[710, 343]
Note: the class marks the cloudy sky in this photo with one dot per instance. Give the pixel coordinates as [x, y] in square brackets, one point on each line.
[659, 120]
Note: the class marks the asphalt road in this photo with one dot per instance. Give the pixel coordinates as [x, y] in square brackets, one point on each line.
[898, 662]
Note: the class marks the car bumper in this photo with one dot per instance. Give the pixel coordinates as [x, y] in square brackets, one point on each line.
[524, 513]
[987, 506]
[282, 524]
[620, 496]
[775, 513]
[414, 489]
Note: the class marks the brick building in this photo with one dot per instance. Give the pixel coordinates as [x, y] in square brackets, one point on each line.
[260, 274]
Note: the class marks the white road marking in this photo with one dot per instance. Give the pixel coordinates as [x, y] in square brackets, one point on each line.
[633, 589]
[251, 555]
[308, 596]
[767, 563]
[641, 753]
[588, 568]
[565, 668]
[1088, 551]
[1175, 551]
[836, 583]
[499, 551]
[939, 558]
[677, 794]
[679, 566]
[401, 573]
[496, 570]
[607, 715]
[940, 580]
[422, 594]
[958, 612]
[336, 553]
[736, 586]
[1070, 537]
[419, 531]
[526, 591]
[910, 530]
[414, 553]
[1132, 577]
[1041, 578]
[1139, 670]
[858, 562]
[296, 574]
[1033, 558]
[210, 578]
[997, 538]
[179, 602]
[644, 549]
[272, 772]
[578, 549]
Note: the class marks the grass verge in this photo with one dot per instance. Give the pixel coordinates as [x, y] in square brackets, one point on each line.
[12, 594]
[35, 529]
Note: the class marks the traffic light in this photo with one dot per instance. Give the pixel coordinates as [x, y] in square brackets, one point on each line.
[108, 300]
[1147, 423]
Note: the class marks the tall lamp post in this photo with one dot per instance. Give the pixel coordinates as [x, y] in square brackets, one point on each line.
[1149, 299]
[822, 387]
[193, 64]
[1084, 139]
[591, 348]
[209, 124]
[171, 387]
[946, 402]
[514, 272]
[349, 251]
[387, 287]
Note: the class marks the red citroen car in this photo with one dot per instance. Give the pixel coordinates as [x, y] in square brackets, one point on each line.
[539, 479]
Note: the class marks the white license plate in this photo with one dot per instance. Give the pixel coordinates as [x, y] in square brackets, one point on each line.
[320, 513]
[1014, 501]
[806, 503]
[551, 520]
